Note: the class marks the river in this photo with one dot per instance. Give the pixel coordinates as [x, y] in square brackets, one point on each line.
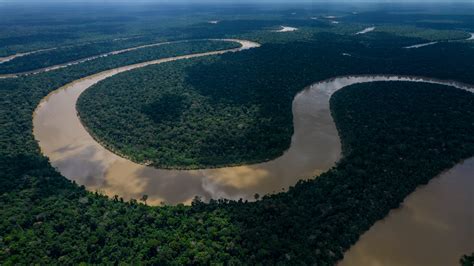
[436, 219]
[434, 226]
[78, 61]
[314, 148]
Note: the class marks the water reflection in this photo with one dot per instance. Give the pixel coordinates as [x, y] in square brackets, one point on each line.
[434, 226]
[315, 147]
[79, 157]
[430, 229]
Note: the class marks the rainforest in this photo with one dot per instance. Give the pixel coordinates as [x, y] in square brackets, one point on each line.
[236, 133]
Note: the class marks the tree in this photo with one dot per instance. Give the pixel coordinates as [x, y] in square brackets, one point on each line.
[144, 198]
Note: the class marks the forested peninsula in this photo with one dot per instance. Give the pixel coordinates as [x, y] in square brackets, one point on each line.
[395, 136]
[417, 131]
[236, 109]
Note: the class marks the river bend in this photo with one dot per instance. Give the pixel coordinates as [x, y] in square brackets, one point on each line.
[315, 148]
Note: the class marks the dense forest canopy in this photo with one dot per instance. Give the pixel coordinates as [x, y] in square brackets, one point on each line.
[395, 136]
[415, 132]
[315, 212]
[236, 108]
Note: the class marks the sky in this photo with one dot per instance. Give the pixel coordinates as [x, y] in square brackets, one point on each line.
[230, 1]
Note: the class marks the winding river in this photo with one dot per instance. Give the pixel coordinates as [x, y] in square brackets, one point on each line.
[82, 60]
[17, 55]
[286, 29]
[79, 157]
[315, 148]
[11, 57]
[366, 30]
[471, 37]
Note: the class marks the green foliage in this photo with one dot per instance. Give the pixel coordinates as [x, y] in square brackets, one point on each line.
[155, 116]
[70, 54]
[24, 28]
[396, 136]
[74, 226]
[167, 107]
[65, 54]
[386, 157]
[467, 260]
[47, 219]
[424, 33]
[236, 108]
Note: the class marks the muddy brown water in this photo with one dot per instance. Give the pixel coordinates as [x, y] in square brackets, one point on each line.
[79, 157]
[433, 226]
